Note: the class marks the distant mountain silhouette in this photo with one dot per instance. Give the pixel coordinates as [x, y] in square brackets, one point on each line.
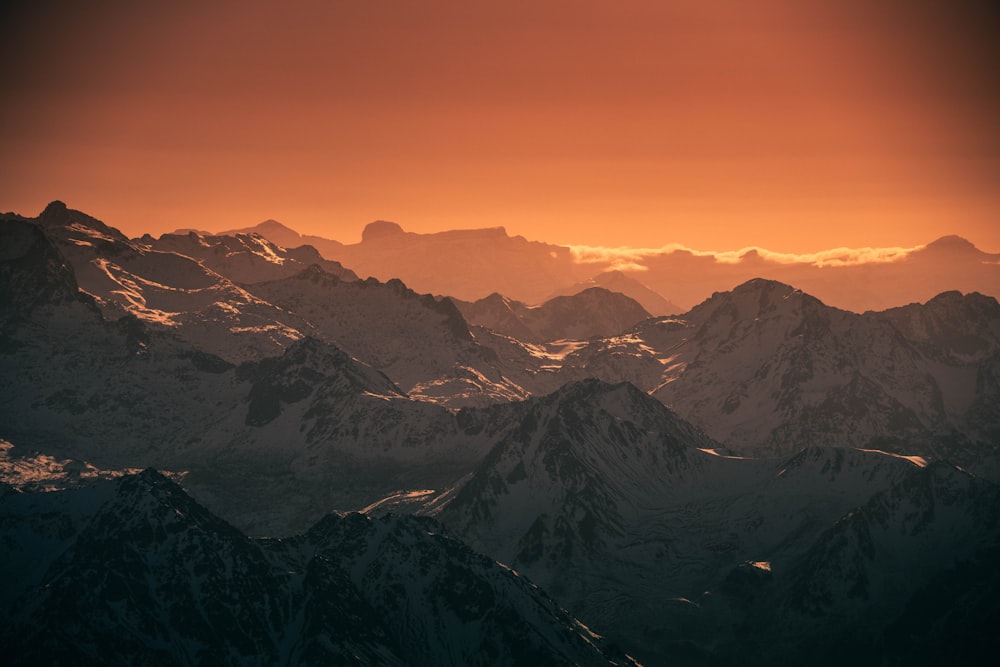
[617, 281]
[471, 264]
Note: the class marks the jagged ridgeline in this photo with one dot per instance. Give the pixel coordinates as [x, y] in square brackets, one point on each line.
[760, 479]
[133, 571]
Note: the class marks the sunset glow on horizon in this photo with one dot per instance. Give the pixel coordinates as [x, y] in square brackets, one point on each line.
[780, 125]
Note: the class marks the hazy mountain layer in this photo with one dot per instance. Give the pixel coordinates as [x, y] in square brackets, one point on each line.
[471, 264]
[593, 312]
[616, 281]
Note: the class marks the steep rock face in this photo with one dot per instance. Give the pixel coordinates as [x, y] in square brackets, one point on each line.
[136, 572]
[245, 258]
[32, 272]
[150, 577]
[592, 312]
[500, 314]
[304, 367]
[959, 337]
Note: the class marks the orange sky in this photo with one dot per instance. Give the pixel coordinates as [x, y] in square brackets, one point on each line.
[791, 125]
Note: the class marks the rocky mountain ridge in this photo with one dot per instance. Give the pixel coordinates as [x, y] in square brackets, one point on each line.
[691, 486]
[133, 570]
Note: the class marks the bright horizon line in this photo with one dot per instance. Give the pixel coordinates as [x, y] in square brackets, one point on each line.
[629, 258]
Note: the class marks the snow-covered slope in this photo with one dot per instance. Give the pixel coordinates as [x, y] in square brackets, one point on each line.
[646, 527]
[133, 571]
[284, 236]
[168, 291]
[245, 258]
[766, 369]
[643, 527]
[32, 471]
[272, 444]
[592, 312]
[952, 327]
[422, 343]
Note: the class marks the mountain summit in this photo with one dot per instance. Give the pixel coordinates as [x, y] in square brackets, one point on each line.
[381, 230]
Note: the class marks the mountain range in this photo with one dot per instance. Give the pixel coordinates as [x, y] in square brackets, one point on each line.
[133, 571]
[472, 264]
[633, 519]
[591, 313]
[761, 478]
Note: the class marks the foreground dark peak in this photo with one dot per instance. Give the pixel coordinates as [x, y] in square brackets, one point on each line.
[139, 573]
[841, 599]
